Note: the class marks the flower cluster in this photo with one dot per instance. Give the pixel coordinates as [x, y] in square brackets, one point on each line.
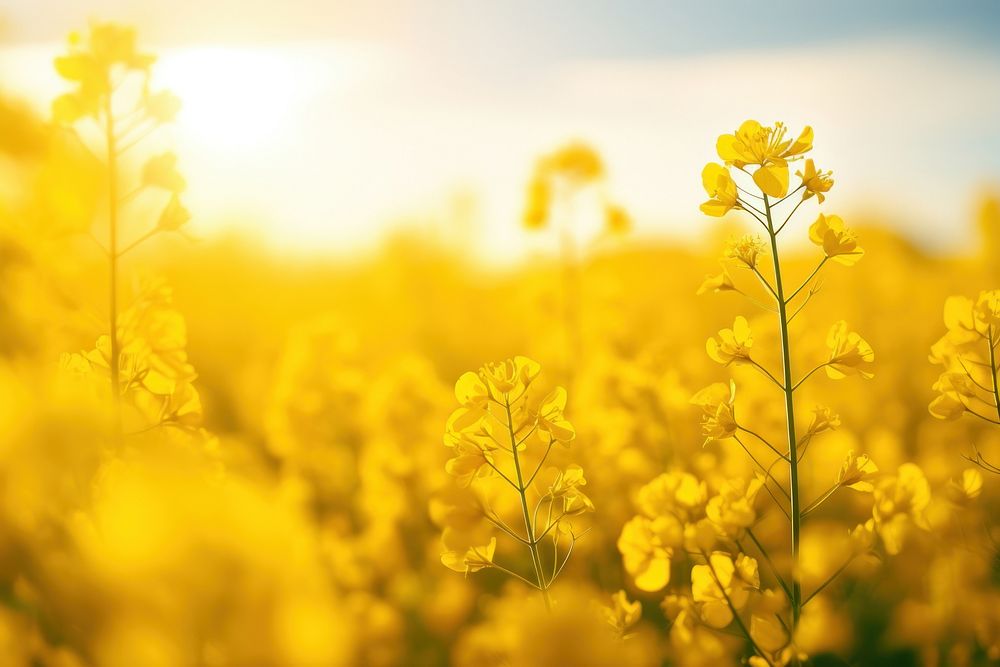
[561, 175]
[501, 438]
[679, 514]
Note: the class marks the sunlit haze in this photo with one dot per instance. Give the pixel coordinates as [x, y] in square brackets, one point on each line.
[326, 142]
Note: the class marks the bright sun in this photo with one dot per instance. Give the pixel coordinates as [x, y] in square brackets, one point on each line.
[235, 99]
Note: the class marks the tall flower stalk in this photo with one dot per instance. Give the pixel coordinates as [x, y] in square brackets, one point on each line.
[762, 155]
[558, 180]
[112, 92]
[502, 438]
[970, 353]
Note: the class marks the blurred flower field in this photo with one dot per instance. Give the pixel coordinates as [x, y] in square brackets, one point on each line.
[213, 456]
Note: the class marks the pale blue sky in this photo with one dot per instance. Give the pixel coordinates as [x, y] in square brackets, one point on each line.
[368, 112]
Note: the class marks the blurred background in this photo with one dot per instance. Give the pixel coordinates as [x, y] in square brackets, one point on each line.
[361, 180]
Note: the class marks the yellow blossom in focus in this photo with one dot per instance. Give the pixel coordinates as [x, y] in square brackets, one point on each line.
[850, 354]
[721, 282]
[717, 402]
[815, 182]
[768, 149]
[746, 250]
[838, 243]
[857, 472]
[733, 345]
[721, 189]
[466, 558]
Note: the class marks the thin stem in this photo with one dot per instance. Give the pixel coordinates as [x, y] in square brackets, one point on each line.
[993, 372]
[782, 226]
[807, 280]
[814, 505]
[969, 375]
[505, 528]
[137, 140]
[770, 563]
[536, 560]
[829, 581]
[763, 440]
[782, 200]
[766, 372]
[793, 463]
[813, 291]
[751, 210]
[552, 524]
[500, 472]
[985, 419]
[569, 552]
[763, 281]
[760, 465]
[808, 375]
[139, 241]
[540, 463]
[516, 575]
[732, 609]
[746, 203]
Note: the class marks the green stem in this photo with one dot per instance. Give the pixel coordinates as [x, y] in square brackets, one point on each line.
[732, 609]
[793, 462]
[536, 559]
[993, 372]
[770, 563]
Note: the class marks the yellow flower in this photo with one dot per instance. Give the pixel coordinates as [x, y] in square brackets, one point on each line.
[460, 556]
[737, 580]
[768, 633]
[161, 172]
[745, 249]
[721, 189]
[472, 458]
[717, 402]
[815, 182]
[766, 147]
[838, 243]
[732, 509]
[539, 197]
[551, 419]
[850, 354]
[622, 614]
[824, 419]
[646, 547]
[957, 392]
[900, 505]
[617, 220]
[857, 472]
[733, 345]
[510, 377]
[674, 493]
[967, 487]
[162, 106]
[174, 215]
[576, 162]
[721, 282]
[987, 311]
[567, 488]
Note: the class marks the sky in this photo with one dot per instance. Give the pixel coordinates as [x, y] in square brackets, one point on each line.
[319, 125]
